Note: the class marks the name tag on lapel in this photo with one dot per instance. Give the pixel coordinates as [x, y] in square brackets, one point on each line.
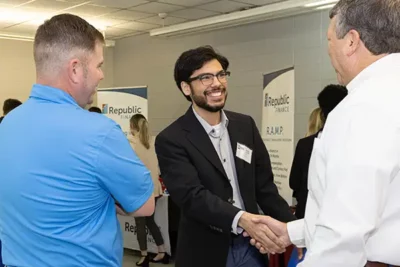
[244, 153]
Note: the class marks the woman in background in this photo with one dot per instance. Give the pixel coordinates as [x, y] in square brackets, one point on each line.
[144, 147]
[299, 172]
[315, 122]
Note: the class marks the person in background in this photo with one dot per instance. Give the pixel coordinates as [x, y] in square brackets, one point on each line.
[95, 109]
[9, 105]
[315, 122]
[60, 182]
[143, 145]
[328, 99]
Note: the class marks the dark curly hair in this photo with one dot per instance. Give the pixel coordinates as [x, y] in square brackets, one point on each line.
[194, 59]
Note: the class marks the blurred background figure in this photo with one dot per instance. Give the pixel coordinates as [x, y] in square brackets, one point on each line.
[9, 105]
[143, 145]
[95, 109]
[315, 122]
[328, 98]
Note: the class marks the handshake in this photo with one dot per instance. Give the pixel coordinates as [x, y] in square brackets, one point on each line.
[267, 234]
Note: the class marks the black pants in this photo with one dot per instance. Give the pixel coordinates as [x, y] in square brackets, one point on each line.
[141, 223]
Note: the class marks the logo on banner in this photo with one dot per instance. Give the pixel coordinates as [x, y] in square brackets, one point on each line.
[281, 103]
[104, 109]
[123, 112]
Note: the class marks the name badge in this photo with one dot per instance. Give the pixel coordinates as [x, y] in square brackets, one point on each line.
[244, 153]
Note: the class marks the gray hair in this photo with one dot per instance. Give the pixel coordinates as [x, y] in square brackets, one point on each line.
[60, 37]
[377, 22]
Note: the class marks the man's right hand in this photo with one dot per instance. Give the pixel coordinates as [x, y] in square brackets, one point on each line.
[277, 227]
[271, 243]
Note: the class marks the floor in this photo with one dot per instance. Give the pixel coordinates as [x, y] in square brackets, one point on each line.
[131, 257]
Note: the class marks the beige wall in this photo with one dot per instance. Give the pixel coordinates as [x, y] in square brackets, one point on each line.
[17, 69]
[253, 50]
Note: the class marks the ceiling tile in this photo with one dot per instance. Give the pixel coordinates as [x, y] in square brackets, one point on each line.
[193, 14]
[103, 23]
[224, 6]
[91, 10]
[48, 5]
[18, 15]
[129, 35]
[156, 8]
[259, 2]
[14, 2]
[116, 31]
[74, 1]
[128, 15]
[24, 28]
[137, 26]
[163, 22]
[119, 3]
[4, 24]
[188, 3]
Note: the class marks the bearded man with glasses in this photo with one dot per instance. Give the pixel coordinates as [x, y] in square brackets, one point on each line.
[217, 170]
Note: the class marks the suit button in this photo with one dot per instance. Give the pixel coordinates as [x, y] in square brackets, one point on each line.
[230, 200]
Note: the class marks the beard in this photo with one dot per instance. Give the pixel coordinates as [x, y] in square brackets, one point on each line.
[201, 100]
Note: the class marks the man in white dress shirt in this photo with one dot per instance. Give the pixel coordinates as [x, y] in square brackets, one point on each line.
[352, 216]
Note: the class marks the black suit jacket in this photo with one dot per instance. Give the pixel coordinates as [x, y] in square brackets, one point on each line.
[197, 182]
[298, 179]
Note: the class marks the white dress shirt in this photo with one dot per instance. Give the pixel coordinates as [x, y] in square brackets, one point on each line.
[219, 137]
[353, 206]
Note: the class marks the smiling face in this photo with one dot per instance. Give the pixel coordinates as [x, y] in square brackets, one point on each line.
[208, 87]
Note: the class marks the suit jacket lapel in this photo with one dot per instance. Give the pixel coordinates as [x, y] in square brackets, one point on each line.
[235, 137]
[200, 139]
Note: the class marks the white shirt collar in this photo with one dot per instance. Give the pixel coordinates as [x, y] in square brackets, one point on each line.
[378, 66]
[207, 126]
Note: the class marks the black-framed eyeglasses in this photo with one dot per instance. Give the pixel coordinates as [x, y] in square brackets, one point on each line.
[208, 78]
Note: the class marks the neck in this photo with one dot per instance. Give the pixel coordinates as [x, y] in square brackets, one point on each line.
[212, 118]
[365, 63]
[55, 82]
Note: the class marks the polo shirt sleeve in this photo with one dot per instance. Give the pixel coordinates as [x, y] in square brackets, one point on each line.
[121, 172]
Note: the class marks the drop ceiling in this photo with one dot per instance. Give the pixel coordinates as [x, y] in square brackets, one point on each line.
[116, 18]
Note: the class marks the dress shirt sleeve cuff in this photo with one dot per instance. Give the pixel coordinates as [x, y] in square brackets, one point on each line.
[235, 229]
[296, 233]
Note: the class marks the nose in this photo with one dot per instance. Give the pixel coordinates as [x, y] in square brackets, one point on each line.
[216, 82]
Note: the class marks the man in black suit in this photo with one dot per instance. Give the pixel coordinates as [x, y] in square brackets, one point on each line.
[217, 169]
[328, 99]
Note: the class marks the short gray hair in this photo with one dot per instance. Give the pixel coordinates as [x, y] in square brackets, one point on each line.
[58, 37]
[377, 22]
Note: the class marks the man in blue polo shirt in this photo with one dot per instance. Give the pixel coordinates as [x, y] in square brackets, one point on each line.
[62, 167]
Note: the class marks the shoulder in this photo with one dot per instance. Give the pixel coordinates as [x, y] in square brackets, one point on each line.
[174, 129]
[238, 116]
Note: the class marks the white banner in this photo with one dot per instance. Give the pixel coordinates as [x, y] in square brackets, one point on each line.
[278, 126]
[120, 104]
[128, 227]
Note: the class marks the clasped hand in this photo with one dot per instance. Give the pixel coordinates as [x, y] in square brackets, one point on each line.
[267, 234]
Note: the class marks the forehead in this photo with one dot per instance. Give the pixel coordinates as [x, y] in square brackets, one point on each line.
[212, 66]
[332, 26]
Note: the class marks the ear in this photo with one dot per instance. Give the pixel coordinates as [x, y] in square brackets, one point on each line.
[75, 70]
[353, 42]
[185, 88]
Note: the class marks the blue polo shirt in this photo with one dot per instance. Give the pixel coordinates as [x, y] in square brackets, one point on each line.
[61, 169]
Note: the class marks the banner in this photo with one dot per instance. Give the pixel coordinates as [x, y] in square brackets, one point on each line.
[278, 126]
[120, 104]
[128, 227]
